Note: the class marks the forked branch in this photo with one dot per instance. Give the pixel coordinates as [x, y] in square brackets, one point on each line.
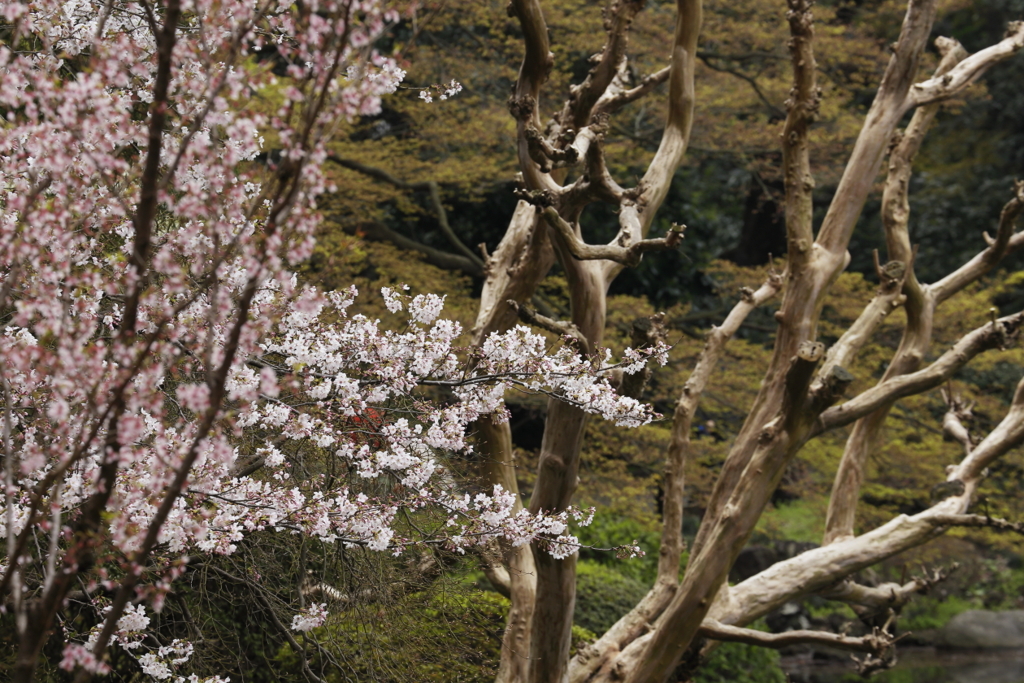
[627, 256]
[1005, 242]
[888, 595]
[996, 334]
[969, 70]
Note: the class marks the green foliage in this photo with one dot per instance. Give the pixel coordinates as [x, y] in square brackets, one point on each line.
[610, 529]
[926, 612]
[441, 638]
[603, 595]
[799, 520]
[739, 663]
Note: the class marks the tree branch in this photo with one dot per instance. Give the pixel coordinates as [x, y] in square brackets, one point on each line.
[378, 232]
[1009, 433]
[537, 63]
[258, 592]
[976, 521]
[681, 98]
[618, 95]
[969, 70]
[624, 255]
[1004, 242]
[959, 411]
[686, 408]
[707, 58]
[883, 117]
[886, 596]
[876, 643]
[989, 336]
[579, 107]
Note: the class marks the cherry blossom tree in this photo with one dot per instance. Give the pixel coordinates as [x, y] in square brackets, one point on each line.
[160, 169]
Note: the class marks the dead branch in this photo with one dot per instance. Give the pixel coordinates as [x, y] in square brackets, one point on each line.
[801, 368]
[608, 64]
[681, 99]
[969, 70]
[686, 408]
[1009, 433]
[810, 571]
[627, 256]
[637, 620]
[959, 412]
[888, 298]
[876, 643]
[947, 520]
[618, 95]
[997, 334]
[881, 121]
[1005, 242]
[888, 595]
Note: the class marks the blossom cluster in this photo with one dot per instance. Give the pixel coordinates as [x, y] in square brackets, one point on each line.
[443, 91]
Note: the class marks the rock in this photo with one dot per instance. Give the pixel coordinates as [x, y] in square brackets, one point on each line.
[751, 561]
[980, 629]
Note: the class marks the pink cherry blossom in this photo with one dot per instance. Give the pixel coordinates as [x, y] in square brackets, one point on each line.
[147, 261]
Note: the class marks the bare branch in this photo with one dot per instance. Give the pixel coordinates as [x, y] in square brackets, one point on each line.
[494, 442]
[1004, 242]
[618, 95]
[638, 619]
[537, 63]
[977, 521]
[953, 421]
[681, 98]
[627, 256]
[816, 570]
[969, 70]
[582, 98]
[888, 595]
[1009, 433]
[878, 642]
[260, 596]
[989, 336]
[887, 299]
[919, 302]
[895, 205]
[523, 257]
[883, 117]
[689, 400]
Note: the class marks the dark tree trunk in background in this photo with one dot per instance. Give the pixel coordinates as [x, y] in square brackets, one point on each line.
[764, 225]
